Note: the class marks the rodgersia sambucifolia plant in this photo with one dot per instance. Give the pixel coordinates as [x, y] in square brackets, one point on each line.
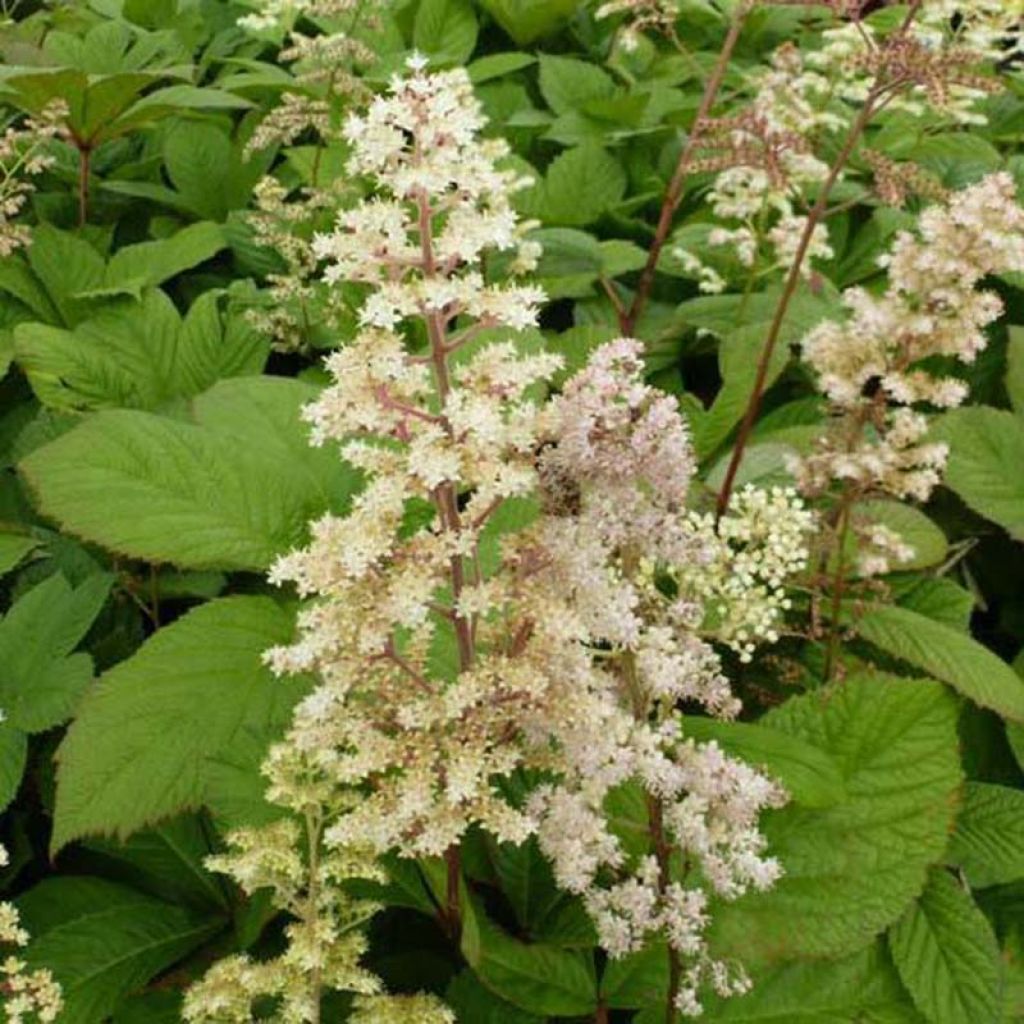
[525, 587]
[519, 586]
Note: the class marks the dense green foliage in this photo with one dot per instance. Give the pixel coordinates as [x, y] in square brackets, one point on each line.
[154, 465]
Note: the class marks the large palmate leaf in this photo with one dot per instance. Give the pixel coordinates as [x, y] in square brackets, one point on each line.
[851, 868]
[947, 654]
[139, 748]
[230, 492]
[102, 940]
[947, 955]
[41, 680]
[986, 451]
[138, 355]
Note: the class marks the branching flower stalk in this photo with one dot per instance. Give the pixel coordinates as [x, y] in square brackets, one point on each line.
[297, 303]
[518, 585]
[924, 64]
[22, 156]
[874, 368]
[630, 316]
[888, 80]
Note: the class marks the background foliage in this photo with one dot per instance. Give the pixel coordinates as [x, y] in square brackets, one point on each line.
[154, 465]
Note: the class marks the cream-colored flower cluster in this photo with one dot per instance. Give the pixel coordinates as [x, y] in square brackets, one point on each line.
[874, 367]
[765, 162]
[26, 997]
[640, 16]
[299, 308]
[517, 585]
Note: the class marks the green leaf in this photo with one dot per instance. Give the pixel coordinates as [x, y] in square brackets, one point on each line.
[1015, 369]
[863, 987]
[473, 1001]
[810, 776]
[912, 526]
[497, 65]
[191, 495]
[851, 868]
[65, 265]
[167, 861]
[528, 20]
[103, 940]
[535, 977]
[946, 654]
[41, 681]
[13, 548]
[989, 839]
[151, 263]
[581, 184]
[986, 451]
[445, 29]
[567, 83]
[743, 322]
[947, 955]
[139, 747]
[138, 354]
[13, 755]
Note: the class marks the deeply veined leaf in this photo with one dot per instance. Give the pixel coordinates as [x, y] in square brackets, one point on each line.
[473, 1001]
[581, 184]
[946, 654]
[167, 491]
[862, 987]
[851, 868]
[137, 354]
[445, 29]
[988, 843]
[152, 263]
[947, 955]
[102, 940]
[13, 548]
[166, 861]
[986, 451]
[41, 680]
[139, 747]
[527, 20]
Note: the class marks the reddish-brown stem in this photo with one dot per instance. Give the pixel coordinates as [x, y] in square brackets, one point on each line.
[663, 855]
[673, 194]
[814, 218]
[452, 911]
[448, 509]
[601, 1014]
[788, 292]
